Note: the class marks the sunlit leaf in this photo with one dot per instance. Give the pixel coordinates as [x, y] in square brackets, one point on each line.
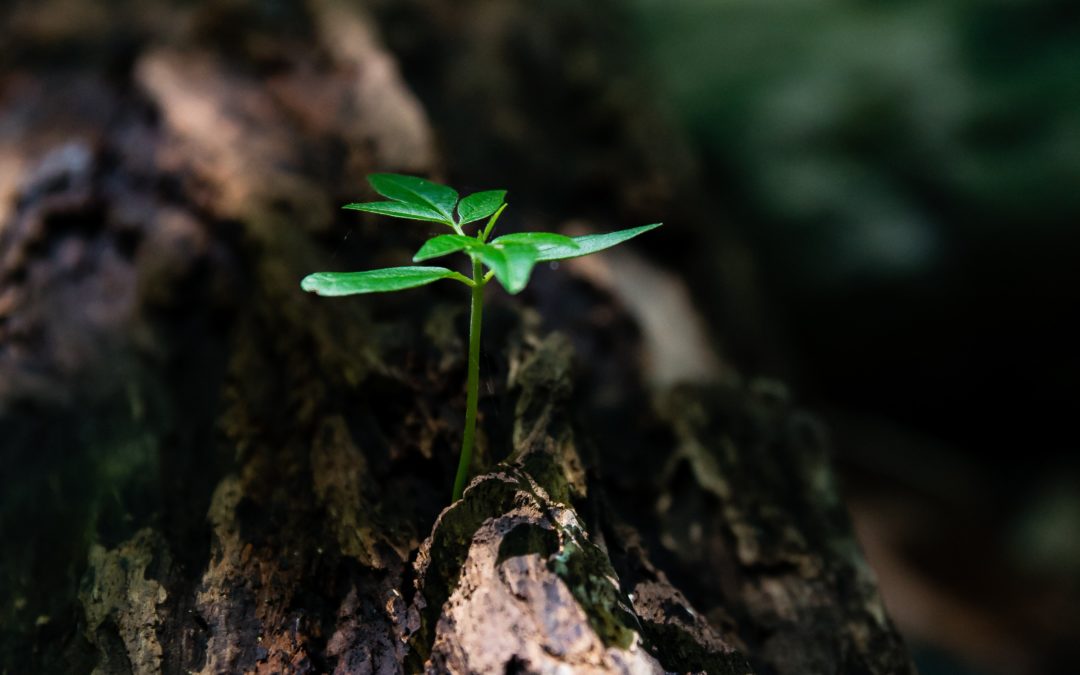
[592, 243]
[399, 210]
[372, 281]
[444, 244]
[417, 192]
[480, 205]
[511, 263]
[538, 239]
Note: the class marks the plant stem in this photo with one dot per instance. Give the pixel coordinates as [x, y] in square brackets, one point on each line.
[472, 386]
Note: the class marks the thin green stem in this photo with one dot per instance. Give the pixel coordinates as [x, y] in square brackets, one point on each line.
[457, 276]
[472, 386]
[483, 235]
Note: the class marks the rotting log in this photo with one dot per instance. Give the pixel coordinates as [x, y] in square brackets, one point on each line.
[207, 470]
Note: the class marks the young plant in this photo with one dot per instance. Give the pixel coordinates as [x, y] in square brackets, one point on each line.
[509, 258]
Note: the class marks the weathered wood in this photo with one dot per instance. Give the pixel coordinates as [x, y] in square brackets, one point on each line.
[210, 471]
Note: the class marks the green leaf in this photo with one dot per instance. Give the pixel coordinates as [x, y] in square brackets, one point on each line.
[480, 205]
[417, 192]
[372, 281]
[511, 263]
[537, 239]
[592, 243]
[399, 210]
[444, 244]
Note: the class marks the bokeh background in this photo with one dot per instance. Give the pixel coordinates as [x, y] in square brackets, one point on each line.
[906, 174]
[875, 203]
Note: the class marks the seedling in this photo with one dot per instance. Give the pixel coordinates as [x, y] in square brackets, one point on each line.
[509, 258]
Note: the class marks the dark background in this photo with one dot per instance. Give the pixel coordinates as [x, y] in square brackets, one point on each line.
[906, 174]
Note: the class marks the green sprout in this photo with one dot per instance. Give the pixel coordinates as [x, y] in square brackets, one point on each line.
[509, 258]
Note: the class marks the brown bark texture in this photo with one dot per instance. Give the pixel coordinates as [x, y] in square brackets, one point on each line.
[206, 470]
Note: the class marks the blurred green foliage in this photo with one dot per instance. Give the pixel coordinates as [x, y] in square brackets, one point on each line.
[869, 133]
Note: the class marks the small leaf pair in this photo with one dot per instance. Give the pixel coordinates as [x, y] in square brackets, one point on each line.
[418, 199]
[509, 258]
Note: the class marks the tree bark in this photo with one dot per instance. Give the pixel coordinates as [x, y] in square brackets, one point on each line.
[207, 470]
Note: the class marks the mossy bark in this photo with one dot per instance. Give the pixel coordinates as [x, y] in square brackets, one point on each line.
[208, 470]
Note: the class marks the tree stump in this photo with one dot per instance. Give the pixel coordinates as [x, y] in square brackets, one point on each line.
[207, 470]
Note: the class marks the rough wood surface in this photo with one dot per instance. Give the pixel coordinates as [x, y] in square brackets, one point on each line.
[208, 471]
